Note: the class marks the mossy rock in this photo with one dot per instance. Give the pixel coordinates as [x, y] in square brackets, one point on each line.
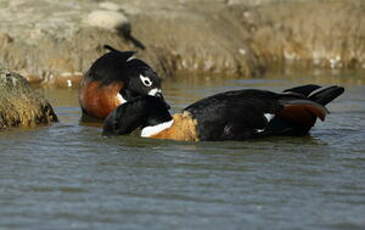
[20, 105]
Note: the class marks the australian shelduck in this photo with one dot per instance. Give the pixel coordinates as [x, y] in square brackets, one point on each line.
[113, 79]
[233, 115]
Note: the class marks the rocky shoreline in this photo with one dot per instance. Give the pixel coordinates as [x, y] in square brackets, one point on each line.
[54, 42]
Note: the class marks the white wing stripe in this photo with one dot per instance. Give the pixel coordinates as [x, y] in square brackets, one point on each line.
[152, 130]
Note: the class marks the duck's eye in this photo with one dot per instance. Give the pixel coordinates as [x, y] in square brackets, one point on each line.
[145, 80]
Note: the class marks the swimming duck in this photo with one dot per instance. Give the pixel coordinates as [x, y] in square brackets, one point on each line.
[234, 115]
[113, 79]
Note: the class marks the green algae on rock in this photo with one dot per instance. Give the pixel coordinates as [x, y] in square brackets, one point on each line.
[20, 105]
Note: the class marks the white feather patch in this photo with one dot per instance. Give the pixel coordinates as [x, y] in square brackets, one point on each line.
[121, 99]
[269, 116]
[130, 58]
[152, 130]
[145, 80]
[318, 90]
[154, 91]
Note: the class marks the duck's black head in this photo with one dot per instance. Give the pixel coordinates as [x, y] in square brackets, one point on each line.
[138, 113]
[138, 78]
[142, 80]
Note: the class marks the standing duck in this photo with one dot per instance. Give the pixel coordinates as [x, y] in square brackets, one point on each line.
[113, 79]
[234, 115]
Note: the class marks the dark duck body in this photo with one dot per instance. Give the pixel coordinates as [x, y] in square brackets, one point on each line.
[234, 115]
[113, 79]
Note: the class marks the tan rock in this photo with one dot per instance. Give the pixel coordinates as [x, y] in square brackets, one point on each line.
[107, 19]
[20, 105]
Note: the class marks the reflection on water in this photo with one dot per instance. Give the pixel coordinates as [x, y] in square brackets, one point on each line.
[68, 176]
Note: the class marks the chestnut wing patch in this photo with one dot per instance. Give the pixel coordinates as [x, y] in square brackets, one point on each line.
[303, 112]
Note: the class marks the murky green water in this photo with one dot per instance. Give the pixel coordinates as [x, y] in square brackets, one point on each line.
[69, 177]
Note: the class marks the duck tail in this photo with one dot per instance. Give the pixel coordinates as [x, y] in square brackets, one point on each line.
[318, 94]
[110, 48]
[303, 90]
[325, 95]
[302, 106]
[123, 54]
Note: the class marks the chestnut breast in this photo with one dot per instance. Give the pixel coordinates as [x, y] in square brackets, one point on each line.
[99, 100]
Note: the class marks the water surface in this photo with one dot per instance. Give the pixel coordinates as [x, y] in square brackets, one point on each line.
[67, 176]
